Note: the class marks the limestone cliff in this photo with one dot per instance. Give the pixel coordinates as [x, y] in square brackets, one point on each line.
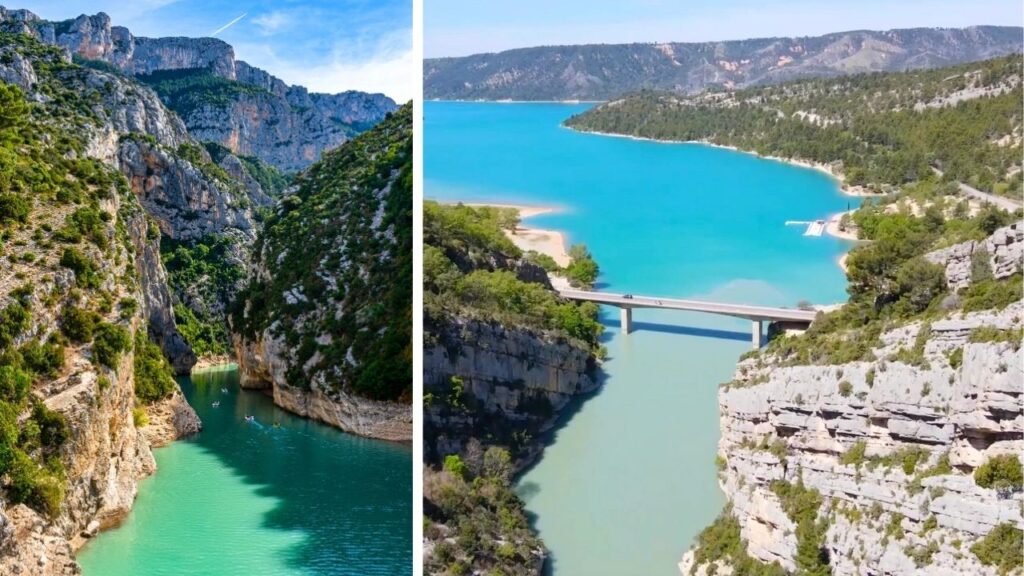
[325, 321]
[262, 116]
[80, 284]
[885, 451]
[512, 381]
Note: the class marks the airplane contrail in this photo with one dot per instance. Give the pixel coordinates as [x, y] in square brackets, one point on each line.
[228, 25]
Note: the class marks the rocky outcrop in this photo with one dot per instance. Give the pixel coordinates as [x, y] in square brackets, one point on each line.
[890, 444]
[515, 379]
[186, 203]
[157, 303]
[283, 125]
[169, 419]
[1002, 252]
[263, 365]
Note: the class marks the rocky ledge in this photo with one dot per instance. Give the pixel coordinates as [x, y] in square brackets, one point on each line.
[263, 365]
[890, 446]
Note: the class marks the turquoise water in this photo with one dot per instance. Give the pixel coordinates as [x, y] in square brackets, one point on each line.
[629, 480]
[251, 499]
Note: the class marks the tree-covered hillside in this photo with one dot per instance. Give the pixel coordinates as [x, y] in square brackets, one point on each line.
[333, 271]
[879, 130]
[69, 289]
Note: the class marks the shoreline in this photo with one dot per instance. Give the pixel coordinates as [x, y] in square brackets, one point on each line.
[531, 238]
[213, 363]
[832, 225]
[510, 101]
[844, 188]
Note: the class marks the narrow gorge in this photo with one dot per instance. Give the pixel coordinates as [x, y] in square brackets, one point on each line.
[136, 179]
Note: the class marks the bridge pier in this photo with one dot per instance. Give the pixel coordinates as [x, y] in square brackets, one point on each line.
[626, 319]
[756, 334]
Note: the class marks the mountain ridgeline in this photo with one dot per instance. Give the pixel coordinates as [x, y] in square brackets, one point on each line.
[220, 99]
[878, 130]
[606, 71]
[326, 319]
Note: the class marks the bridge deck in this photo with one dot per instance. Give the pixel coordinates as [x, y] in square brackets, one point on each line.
[757, 313]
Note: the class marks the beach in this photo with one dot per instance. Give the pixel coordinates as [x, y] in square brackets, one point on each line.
[527, 238]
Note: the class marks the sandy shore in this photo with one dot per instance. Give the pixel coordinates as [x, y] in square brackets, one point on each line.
[842, 262]
[213, 362]
[540, 240]
[832, 227]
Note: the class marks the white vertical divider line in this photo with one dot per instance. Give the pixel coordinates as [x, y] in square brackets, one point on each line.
[417, 290]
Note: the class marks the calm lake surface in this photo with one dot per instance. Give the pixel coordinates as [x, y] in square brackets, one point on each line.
[253, 499]
[628, 481]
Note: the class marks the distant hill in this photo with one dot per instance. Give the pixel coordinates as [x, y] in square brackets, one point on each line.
[880, 130]
[604, 71]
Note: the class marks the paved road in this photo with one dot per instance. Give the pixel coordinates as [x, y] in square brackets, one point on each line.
[737, 310]
[1003, 202]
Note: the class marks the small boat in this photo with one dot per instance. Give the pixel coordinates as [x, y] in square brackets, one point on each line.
[216, 404]
[277, 424]
[250, 418]
[223, 390]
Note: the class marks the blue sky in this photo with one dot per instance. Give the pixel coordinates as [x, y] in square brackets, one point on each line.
[325, 45]
[460, 27]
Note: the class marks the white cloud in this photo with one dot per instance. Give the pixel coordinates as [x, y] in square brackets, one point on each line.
[271, 22]
[385, 64]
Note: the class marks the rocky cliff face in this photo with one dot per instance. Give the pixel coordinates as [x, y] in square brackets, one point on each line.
[516, 380]
[602, 72]
[283, 125]
[325, 320]
[889, 445]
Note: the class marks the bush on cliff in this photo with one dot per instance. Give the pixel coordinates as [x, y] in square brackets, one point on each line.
[1002, 472]
[153, 375]
[1001, 548]
[109, 342]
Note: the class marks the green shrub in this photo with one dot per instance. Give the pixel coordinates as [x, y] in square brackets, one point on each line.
[582, 270]
[53, 426]
[845, 388]
[153, 376]
[78, 324]
[139, 417]
[109, 342]
[41, 488]
[1001, 548]
[993, 294]
[454, 465]
[721, 541]
[14, 384]
[45, 359]
[84, 268]
[14, 319]
[1002, 472]
[14, 208]
[854, 456]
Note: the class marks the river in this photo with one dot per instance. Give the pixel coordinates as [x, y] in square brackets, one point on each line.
[251, 499]
[628, 480]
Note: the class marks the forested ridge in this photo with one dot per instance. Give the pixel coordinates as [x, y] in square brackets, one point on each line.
[335, 267]
[879, 130]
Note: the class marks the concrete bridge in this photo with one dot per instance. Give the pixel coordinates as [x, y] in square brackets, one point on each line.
[756, 314]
